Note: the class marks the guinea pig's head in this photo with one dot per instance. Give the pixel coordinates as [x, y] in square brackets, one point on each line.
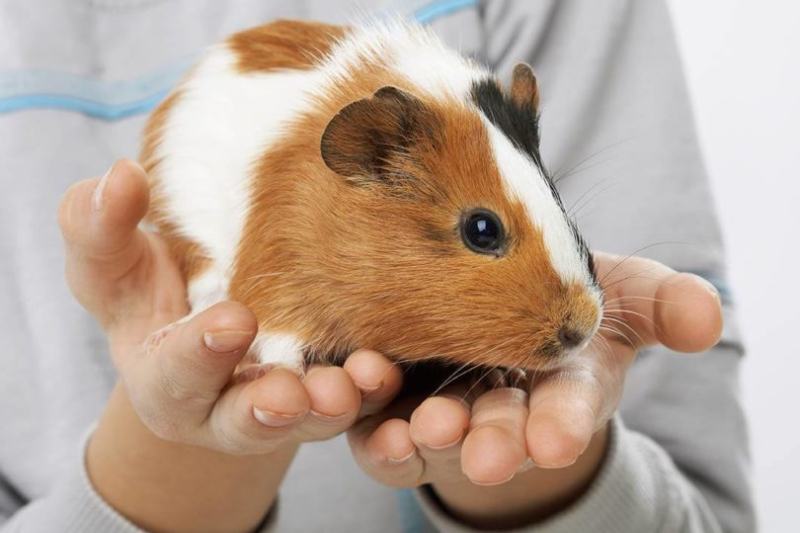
[455, 241]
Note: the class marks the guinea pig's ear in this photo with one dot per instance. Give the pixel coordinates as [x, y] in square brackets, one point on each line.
[524, 89]
[363, 141]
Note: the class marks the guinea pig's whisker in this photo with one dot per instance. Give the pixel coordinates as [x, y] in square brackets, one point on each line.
[603, 345]
[634, 297]
[476, 382]
[560, 174]
[586, 198]
[610, 312]
[638, 275]
[627, 326]
[470, 365]
[576, 210]
[637, 251]
[461, 371]
[617, 333]
[609, 320]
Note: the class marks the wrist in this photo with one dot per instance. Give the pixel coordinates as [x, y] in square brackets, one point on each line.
[531, 496]
[162, 485]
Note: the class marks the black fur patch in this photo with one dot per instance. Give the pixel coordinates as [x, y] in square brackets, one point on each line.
[519, 123]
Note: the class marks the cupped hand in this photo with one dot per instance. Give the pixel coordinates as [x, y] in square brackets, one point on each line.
[180, 376]
[470, 440]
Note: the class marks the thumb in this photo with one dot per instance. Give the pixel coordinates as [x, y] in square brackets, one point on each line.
[98, 220]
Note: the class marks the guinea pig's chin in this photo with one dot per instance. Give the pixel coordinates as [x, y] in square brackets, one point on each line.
[549, 363]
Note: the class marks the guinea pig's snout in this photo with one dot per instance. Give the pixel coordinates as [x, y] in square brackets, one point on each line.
[570, 338]
[579, 322]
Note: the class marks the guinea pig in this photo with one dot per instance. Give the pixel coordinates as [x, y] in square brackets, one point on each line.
[367, 187]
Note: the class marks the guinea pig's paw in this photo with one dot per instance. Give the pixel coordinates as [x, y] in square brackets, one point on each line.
[278, 350]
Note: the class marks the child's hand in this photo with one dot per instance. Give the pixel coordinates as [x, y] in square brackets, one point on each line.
[177, 376]
[176, 385]
[464, 445]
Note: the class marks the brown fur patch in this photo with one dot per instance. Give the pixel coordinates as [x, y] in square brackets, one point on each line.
[284, 44]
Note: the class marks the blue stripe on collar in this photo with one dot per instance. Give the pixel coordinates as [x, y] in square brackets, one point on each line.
[91, 108]
[441, 8]
[102, 99]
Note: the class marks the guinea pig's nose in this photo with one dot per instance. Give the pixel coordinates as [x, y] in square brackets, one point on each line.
[569, 338]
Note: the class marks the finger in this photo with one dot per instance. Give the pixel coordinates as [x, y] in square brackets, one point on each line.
[98, 217]
[647, 302]
[689, 315]
[378, 379]
[181, 369]
[495, 447]
[257, 416]
[567, 407]
[384, 450]
[98, 220]
[437, 429]
[382, 445]
[334, 403]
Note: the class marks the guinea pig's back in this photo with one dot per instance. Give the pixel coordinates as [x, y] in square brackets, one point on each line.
[201, 143]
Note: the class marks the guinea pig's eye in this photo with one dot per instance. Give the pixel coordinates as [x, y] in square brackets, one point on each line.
[483, 232]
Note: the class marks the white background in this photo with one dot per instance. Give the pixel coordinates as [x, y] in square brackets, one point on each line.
[742, 58]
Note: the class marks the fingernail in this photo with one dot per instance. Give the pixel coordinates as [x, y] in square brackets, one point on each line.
[225, 341]
[97, 196]
[399, 460]
[493, 483]
[711, 288]
[274, 420]
[447, 445]
[556, 466]
[329, 418]
[367, 390]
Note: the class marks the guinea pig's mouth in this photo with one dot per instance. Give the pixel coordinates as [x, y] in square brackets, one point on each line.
[567, 342]
[574, 336]
[587, 340]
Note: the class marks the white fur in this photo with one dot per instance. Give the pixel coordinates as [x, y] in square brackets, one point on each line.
[207, 289]
[280, 349]
[411, 50]
[524, 181]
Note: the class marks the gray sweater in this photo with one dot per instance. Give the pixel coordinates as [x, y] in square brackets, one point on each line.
[76, 80]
